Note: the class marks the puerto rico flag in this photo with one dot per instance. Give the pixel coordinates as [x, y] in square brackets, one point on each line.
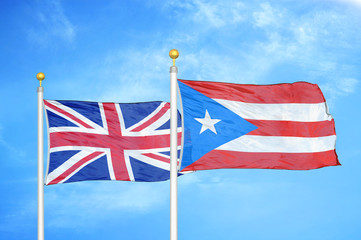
[108, 141]
[281, 126]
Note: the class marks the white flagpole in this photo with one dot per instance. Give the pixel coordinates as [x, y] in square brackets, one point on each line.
[40, 76]
[173, 148]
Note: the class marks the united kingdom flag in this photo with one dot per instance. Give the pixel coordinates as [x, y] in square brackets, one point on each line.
[108, 141]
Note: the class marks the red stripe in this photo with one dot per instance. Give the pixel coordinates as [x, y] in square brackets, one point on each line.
[115, 133]
[164, 109]
[62, 139]
[52, 106]
[218, 159]
[299, 92]
[293, 129]
[74, 167]
[157, 157]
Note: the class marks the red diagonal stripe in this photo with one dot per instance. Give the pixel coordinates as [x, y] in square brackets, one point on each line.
[52, 106]
[75, 167]
[164, 109]
[157, 157]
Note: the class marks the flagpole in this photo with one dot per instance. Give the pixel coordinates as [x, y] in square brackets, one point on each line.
[40, 76]
[173, 148]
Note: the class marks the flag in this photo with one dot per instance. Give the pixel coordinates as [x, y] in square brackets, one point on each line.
[281, 126]
[108, 141]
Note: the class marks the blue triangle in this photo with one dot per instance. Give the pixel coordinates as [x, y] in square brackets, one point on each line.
[58, 121]
[89, 110]
[97, 170]
[167, 124]
[197, 143]
[168, 153]
[135, 112]
[144, 172]
[58, 158]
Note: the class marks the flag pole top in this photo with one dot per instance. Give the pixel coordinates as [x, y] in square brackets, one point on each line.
[173, 54]
[40, 76]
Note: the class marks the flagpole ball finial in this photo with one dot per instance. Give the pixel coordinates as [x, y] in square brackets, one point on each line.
[174, 55]
[40, 76]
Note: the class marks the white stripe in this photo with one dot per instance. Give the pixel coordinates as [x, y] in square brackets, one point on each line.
[69, 163]
[104, 120]
[128, 165]
[151, 161]
[78, 129]
[110, 164]
[153, 133]
[81, 148]
[63, 116]
[127, 132]
[155, 150]
[85, 149]
[250, 143]
[74, 114]
[281, 112]
[121, 119]
[158, 123]
[162, 155]
[81, 167]
[148, 117]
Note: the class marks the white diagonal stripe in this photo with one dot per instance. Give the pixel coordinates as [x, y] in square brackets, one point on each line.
[75, 114]
[158, 123]
[151, 161]
[104, 120]
[69, 163]
[148, 117]
[128, 165]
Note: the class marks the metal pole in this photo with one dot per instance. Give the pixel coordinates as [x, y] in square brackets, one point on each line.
[40, 90]
[173, 149]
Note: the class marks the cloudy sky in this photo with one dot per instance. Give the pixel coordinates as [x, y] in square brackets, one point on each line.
[118, 51]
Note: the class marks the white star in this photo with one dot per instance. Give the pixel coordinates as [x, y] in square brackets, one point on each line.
[207, 123]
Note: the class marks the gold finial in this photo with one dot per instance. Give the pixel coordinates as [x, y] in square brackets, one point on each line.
[40, 76]
[173, 54]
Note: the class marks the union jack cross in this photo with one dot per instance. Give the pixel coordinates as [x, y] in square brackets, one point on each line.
[108, 141]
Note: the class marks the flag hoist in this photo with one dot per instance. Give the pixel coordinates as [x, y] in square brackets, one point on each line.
[173, 148]
[40, 76]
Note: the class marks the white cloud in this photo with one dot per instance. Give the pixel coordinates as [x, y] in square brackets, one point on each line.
[87, 203]
[14, 151]
[338, 87]
[147, 73]
[307, 41]
[284, 37]
[352, 2]
[121, 75]
[347, 85]
[206, 191]
[52, 24]
[268, 16]
[215, 14]
[218, 15]
[311, 41]
[20, 219]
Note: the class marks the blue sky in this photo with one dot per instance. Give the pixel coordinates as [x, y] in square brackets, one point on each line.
[118, 51]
